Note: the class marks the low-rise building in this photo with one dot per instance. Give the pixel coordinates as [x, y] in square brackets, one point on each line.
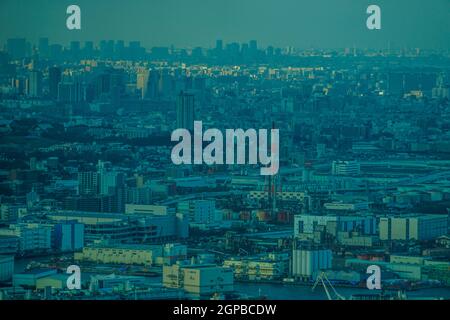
[259, 268]
[54, 281]
[133, 254]
[29, 277]
[199, 279]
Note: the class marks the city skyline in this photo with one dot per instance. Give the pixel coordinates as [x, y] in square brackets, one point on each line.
[301, 24]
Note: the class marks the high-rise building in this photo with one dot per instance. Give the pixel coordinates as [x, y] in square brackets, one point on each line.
[253, 49]
[135, 50]
[56, 51]
[185, 111]
[219, 47]
[44, 48]
[109, 181]
[35, 84]
[151, 88]
[70, 91]
[141, 82]
[88, 183]
[88, 50]
[106, 49]
[75, 49]
[54, 78]
[17, 48]
[119, 49]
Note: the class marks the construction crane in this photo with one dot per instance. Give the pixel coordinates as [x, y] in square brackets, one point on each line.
[322, 277]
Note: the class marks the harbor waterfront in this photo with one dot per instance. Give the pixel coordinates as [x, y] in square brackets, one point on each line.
[290, 292]
[274, 290]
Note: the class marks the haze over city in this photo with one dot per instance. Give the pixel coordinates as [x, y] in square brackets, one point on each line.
[297, 23]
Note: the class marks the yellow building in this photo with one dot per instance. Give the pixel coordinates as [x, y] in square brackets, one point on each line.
[258, 269]
[133, 254]
[123, 254]
[55, 281]
[413, 227]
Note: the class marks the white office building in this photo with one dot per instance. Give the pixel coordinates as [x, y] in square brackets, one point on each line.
[200, 211]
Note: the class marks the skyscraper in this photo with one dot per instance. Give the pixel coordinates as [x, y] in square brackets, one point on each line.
[17, 48]
[119, 49]
[88, 50]
[185, 111]
[35, 84]
[75, 49]
[54, 78]
[44, 48]
[219, 47]
[151, 90]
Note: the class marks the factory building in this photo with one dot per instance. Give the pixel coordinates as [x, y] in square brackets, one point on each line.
[304, 223]
[413, 227]
[354, 239]
[346, 207]
[307, 260]
[147, 255]
[284, 195]
[6, 268]
[145, 209]
[126, 228]
[199, 279]
[117, 282]
[54, 281]
[259, 268]
[416, 268]
[403, 270]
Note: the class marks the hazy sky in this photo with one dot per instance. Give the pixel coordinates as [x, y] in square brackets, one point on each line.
[190, 23]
